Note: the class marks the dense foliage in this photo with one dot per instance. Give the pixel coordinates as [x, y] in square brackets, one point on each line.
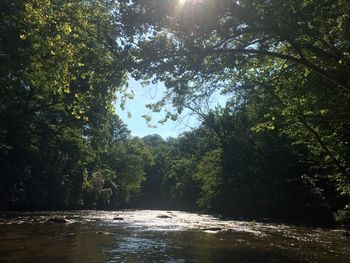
[227, 167]
[286, 61]
[279, 148]
[61, 144]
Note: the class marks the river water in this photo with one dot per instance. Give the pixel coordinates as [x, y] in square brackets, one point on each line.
[161, 236]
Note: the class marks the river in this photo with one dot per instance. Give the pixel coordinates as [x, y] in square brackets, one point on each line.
[161, 236]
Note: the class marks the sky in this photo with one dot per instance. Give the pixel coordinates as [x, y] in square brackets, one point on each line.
[137, 107]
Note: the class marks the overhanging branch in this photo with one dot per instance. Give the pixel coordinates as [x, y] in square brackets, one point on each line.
[300, 61]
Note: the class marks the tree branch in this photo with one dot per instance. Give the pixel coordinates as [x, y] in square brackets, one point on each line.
[299, 61]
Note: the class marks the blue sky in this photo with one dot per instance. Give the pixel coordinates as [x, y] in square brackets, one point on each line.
[137, 107]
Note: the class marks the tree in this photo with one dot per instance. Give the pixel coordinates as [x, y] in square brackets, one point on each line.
[200, 47]
[59, 60]
[169, 179]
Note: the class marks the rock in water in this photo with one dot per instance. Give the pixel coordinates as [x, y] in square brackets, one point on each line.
[102, 233]
[212, 229]
[57, 220]
[118, 218]
[164, 216]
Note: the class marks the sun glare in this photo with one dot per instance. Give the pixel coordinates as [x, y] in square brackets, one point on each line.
[183, 2]
[193, 2]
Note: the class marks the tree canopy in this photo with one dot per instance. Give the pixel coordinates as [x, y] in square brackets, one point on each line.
[297, 63]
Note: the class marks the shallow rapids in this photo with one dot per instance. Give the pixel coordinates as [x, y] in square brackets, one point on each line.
[161, 236]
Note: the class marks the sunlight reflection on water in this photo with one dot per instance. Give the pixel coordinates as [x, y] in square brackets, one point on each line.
[161, 236]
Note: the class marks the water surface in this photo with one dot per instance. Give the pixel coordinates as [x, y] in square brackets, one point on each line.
[161, 236]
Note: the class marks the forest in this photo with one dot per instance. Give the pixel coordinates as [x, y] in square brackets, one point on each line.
[279, 148]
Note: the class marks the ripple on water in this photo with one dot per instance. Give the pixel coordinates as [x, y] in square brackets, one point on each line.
[167, 236]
